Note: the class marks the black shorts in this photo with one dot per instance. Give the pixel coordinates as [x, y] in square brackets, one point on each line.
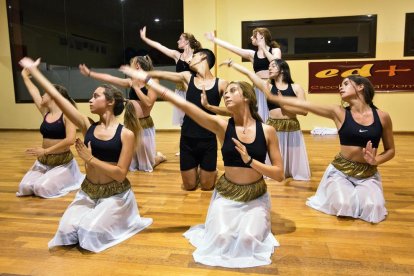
[196, 152]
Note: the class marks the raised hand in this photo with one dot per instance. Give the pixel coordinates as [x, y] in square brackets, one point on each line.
[143, 33]
[242, 150]
[204, 101]
[133, 73]
[210, 36]
[261, 43]
[84, 70]
[227, 62]
[370, 153]
[28, 63]
[84, 152]
[26, 73]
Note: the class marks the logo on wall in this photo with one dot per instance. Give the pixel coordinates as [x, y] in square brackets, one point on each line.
[385, 75]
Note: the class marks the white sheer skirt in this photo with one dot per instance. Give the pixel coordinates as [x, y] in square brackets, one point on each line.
[99, 224]
[144, 156]
[235, 234]
[262, 107]
[342, 195]
[51, 182]
[295, 158]
[178, 114]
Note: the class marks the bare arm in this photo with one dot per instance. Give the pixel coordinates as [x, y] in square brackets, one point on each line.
[210, 122]
[244, 53]
[67, 108]
[370, 153]
[275, 53]
[84, 70]
[220, 110]
[274, 171]
[300, 94]
[33, 91]
[182, 77]
[117, 172]
[258, 82]
[149, 99]
[174, 54]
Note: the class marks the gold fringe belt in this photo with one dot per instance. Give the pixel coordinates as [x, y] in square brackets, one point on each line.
[146, 122]
[241, 193]
[352, 168]
[96, 191]
[287, 125]
[179, 86]
[57, 159]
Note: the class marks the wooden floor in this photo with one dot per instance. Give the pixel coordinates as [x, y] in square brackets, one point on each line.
[311, 243]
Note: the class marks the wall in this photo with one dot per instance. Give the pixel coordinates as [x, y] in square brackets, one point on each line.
[225, 16]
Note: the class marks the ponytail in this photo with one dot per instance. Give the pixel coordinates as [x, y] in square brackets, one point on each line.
[131, 121]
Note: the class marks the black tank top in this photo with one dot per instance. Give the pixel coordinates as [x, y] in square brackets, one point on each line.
[193, 95]
[182, 66]
[257, 149]
[54, 130]
[353, 134]
[133, 95]
[260, 64]
[105, 150]
[288, 92]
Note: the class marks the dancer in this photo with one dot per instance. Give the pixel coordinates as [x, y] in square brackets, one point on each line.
[237, 231]
[55, 172]
[351, 185]
[188, 44]
[145, 158]
[104, 212]
[267, 50]
[283, 119]
[198, 146]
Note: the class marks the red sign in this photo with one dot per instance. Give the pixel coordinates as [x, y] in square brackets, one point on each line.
[385, 75]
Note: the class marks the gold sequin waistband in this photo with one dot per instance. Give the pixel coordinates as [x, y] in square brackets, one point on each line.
[146, 122]
[57, 159]
[287, 125]
[241, 193]
[352, 168]
[96, 191]
[180, 86]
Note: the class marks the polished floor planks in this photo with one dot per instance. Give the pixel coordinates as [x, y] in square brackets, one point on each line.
[311, 243]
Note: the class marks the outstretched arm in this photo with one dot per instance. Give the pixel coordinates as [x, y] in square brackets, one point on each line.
[174, 54]
[84, 70]
[182, 77]
[210, 122]
[258, 82]
[67, 108]
[33, 91]
[300, 94]
[220, 110]
[244, 53]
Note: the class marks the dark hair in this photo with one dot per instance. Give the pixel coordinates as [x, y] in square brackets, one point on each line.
[194, 43]
[267, 36]
[144, 62]
[284, 70]
[64, 92]
[211, 58]
[368, 91]
[248, 93]
[131, 120]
